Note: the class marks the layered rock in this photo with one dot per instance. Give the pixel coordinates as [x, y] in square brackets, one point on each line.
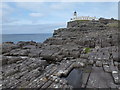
[83, 44]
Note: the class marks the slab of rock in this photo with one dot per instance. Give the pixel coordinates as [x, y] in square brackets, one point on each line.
[99, 79]
[19, 52]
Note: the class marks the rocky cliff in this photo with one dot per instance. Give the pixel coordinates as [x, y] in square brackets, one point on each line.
[83, 44]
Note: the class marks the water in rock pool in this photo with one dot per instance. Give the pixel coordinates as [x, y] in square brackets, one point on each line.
[75, 78]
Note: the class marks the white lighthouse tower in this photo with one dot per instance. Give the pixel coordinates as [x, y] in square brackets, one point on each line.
[75, 15]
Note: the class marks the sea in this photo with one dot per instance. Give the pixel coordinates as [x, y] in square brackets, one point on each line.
[25, 37]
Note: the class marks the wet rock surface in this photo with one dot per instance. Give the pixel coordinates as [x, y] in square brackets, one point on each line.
[91, 46]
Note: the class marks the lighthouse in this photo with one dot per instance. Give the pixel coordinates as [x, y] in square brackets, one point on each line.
[75, 15]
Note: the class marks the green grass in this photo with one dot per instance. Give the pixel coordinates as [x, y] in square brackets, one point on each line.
[112, 24]
[87, 50]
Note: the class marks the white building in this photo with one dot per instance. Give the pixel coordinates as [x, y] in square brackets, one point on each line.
[75, 17]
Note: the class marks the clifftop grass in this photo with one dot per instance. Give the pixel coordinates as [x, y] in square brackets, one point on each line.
[112, 24]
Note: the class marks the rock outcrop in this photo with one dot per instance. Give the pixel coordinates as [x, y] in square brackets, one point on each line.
[83, 44]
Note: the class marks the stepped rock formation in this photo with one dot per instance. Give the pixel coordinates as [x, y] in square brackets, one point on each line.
[91, 46]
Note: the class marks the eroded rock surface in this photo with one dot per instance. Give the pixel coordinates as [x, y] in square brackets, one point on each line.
[91, 46]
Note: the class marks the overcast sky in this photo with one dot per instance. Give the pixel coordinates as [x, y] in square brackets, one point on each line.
[44, 17]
